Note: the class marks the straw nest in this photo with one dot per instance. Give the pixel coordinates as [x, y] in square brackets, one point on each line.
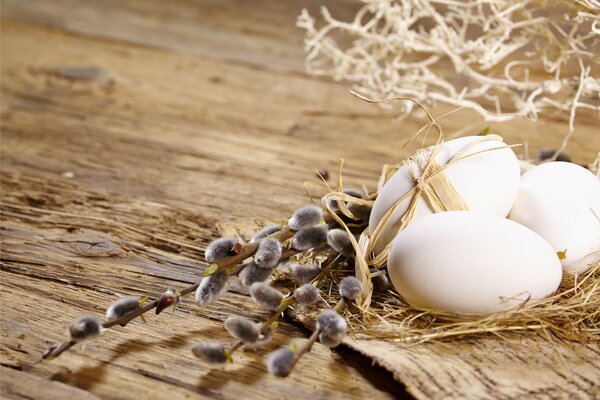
[571, 314]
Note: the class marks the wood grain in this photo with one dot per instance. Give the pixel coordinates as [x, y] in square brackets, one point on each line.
[129, 129]
[55, 266]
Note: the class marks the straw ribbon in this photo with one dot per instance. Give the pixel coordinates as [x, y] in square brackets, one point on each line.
[431, 184]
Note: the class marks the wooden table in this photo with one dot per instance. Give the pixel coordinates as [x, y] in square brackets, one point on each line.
[128, 130]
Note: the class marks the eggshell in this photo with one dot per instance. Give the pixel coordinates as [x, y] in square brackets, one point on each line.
[487, 182]
[556, 200]
[471, 262]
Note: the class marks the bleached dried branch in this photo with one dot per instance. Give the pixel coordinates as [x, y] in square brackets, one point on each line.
[500, 58]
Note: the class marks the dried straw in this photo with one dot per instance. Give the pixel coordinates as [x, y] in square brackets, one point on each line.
[572, 313]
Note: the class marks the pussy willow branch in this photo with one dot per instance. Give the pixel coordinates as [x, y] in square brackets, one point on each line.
[235, 261]
[285, 303]
[249, 249]
[339, 307]
[55, 350]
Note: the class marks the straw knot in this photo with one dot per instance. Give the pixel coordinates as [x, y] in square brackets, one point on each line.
[419, 185]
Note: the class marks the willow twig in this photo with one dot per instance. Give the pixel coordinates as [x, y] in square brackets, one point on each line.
[330, 263]
[231, 264]
[339, 307]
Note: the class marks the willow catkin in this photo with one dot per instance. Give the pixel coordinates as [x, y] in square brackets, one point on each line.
[122, 307]
[266, 296]
[310, 237]
[221, 248]
[332, 328]
[381, 281]
[213, 353]
[280, 362]
[268, 253]
[252, 274]
[351, 288]
[84, 327]
[211, 288]
[306, 294]
[264, 232]
[333, 204]
[305, 217]
[331, 322]
[339, 240]
[304, 273]
[242, 328]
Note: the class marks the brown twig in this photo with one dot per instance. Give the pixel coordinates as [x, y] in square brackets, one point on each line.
[54, 350]
[235, 261]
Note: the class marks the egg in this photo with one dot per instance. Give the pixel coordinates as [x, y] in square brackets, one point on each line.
[561, 202]
[470, 262]
[486, 182]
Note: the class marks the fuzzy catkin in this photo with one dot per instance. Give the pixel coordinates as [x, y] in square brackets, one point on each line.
[268, 253]
[333, 204]
[351, 288]
[122, 306]
[306, 294]
[84, 327]
[266, 296]
[339, 240]
[211, 288]
[330, 340]
[213, 353]
[361, 212]
[265, 337]
[305, 217]
[280, 362]
[264, 232]
[381, 283]
[242, 328]
[331, 322]
[220, 249]
[310, 237]
[252, 274]
[304, 273]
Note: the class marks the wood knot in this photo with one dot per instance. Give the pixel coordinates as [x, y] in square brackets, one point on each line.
[90, 243]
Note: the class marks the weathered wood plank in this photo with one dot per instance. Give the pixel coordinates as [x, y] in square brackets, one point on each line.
[128, 130]
[509, 367]
[50, 275]
[245, 32]
[270, 113]
[20, 385]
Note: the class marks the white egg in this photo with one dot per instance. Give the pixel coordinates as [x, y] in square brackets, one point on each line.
[561, 202]
[471, 262]
[487, 182]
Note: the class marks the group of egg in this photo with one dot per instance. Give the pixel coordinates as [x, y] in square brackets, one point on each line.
[520, 233]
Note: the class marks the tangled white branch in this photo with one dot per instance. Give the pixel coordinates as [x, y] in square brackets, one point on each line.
[500, 58]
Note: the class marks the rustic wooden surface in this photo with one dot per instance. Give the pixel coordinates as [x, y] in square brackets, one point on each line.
[128, 130]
